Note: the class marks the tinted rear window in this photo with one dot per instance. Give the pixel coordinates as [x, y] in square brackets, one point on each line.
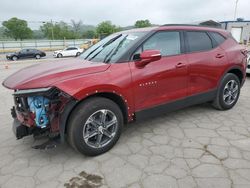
[72, 48]
[218, 37]
[198, 41]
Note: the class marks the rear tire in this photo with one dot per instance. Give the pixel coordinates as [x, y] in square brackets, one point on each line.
[37, 56]
[228, 92]
[95, 126]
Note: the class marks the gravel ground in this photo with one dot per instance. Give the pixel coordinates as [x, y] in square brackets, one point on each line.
[193, 147]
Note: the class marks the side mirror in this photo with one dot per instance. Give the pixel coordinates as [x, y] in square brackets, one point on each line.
[148, 56]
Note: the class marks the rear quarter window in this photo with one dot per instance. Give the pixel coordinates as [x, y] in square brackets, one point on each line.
[218, 37]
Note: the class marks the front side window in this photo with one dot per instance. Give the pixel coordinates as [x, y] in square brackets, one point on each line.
[111, 48]
[198, 41]
[70, 48]
[167, 42]
[23, 51]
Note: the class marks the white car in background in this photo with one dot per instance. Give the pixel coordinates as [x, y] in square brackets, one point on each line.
[248, 63]
[67, 52]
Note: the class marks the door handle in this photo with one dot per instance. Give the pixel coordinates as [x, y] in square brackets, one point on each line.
[219, 56]
[180, 65]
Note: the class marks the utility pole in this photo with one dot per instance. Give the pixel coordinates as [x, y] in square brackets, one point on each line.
[235, 10]
[52, 30]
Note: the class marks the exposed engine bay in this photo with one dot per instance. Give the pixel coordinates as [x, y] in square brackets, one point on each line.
[39, 106]
[38, 112]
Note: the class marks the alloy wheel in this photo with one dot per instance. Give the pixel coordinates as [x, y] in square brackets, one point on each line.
[230, 92]
[100, 128]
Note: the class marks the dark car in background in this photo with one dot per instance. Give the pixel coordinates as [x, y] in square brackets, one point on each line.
[26, 53]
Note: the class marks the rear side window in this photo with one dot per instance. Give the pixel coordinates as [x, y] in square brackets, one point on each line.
[218, 38]
[198, 41]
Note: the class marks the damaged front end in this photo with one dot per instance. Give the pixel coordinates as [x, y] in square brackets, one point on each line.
[39, 112]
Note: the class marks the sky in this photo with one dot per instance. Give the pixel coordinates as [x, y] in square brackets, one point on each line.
[122, 12]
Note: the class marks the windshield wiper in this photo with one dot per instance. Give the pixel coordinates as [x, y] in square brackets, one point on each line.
[112, 40]
[92, 52]
[95, 55]
[104, 60]
[116, 49]
[106, 44]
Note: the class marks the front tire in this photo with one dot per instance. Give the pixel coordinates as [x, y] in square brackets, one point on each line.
[228, 92]
[77, 54]
[59, 55]
[14, 58]
[95, 126]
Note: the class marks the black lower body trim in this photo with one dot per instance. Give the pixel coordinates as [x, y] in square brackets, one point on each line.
[20, 130]
[64, 117]
[176, 105]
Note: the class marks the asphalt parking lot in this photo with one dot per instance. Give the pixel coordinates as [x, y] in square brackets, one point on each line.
[193, 147]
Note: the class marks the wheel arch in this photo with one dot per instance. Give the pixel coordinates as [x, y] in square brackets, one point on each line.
[70, 106]
[238, 73]
[116, 99]
[60, 53]
[15, 56]
[237, 70]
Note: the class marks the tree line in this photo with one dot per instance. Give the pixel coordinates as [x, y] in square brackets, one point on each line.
[18, 29]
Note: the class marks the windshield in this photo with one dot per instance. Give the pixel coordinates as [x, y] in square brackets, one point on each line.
[111, 48]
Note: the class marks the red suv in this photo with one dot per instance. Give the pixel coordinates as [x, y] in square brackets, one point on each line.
[125, 77]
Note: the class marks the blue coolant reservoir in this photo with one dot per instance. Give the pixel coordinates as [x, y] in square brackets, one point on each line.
[38, 106]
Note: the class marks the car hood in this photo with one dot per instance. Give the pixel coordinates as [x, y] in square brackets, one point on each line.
[47, 74]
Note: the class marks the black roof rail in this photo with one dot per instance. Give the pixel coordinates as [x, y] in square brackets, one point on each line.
[193, 25]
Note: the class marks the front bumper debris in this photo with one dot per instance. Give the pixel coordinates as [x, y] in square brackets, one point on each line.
[20, 130]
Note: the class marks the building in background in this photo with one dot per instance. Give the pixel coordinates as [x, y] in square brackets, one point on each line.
[207, 23]
[210, 23]
[240, 29]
